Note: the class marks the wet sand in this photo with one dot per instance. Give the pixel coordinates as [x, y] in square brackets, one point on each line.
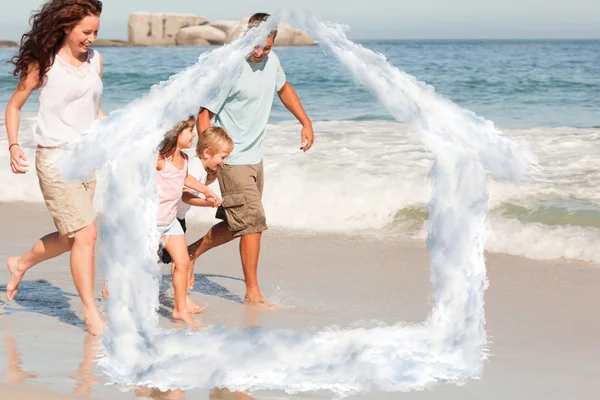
[542, 321]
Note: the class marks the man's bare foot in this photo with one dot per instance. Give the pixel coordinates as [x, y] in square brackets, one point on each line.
[192, 307]
[94, 324]
[16, 274]
[105, 291]
[257, 300]
[184, 317]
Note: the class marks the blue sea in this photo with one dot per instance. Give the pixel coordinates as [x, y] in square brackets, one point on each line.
[517, 84]
[368, 173]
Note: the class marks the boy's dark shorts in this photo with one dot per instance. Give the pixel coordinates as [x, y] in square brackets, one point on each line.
[241, 190]
[165, 257]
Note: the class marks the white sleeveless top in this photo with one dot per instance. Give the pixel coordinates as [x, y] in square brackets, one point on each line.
[69, 101]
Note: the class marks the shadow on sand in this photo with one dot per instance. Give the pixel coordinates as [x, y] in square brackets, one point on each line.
[204, 285]
[44, 298]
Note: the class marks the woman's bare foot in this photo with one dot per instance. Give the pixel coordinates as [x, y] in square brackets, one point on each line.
[94, 323]
[184, 317]
[192, 307]
[16, 275]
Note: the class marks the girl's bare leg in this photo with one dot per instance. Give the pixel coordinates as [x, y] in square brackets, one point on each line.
[192, 307]
[176, 246]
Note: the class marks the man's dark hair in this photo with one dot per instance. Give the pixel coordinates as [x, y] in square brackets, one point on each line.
[258, 18]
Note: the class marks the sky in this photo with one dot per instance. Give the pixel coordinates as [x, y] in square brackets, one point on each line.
[367, 19]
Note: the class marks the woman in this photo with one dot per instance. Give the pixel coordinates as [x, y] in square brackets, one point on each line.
[55, 59]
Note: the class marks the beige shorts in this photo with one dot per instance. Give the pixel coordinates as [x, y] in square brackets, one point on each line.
[71, 204]
[241, 189]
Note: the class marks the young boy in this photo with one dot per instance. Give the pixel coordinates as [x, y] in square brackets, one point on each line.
[213, 147]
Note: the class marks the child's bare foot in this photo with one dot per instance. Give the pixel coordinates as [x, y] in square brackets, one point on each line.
[184, 316]
[192, 307]
[105, 291]
[16, 275]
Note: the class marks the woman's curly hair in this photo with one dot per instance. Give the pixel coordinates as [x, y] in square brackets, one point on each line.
[40, 45]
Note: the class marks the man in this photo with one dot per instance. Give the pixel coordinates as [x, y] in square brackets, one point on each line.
[243, 109]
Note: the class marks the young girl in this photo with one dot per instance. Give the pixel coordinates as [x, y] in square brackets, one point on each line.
[213, 147]
[171, 177]
[55, 58]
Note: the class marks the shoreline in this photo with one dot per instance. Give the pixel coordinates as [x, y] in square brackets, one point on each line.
[39, 211]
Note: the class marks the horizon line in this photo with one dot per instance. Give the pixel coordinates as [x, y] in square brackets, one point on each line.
[436, 39]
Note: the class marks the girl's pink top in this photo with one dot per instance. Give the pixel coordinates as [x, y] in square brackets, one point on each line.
[170, 188]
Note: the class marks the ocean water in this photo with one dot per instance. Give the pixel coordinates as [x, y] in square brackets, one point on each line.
[368, 174]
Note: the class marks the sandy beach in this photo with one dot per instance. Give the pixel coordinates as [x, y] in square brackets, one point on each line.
[542, 325]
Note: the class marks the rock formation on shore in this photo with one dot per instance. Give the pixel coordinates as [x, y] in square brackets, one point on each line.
[200, 35]
[146, 29]
[6, 44]
[226, 25]
[168, 29]
[286, 34]
[111, 43]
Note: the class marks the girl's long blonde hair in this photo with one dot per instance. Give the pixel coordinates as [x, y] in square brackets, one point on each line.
[169, 143]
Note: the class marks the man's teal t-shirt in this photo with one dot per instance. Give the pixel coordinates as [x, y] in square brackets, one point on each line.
[243, 107]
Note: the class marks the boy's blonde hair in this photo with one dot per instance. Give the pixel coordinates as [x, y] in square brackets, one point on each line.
[214, 139]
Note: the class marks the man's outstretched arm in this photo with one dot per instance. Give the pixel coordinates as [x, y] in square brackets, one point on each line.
[290, 100]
